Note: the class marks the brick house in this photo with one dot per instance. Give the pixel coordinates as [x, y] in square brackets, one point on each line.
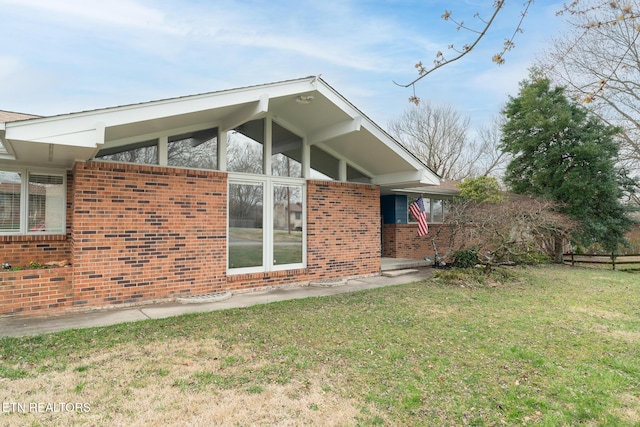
[400, 239]
[274, 184]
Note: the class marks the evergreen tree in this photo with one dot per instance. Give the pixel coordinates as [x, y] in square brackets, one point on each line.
[562, 153]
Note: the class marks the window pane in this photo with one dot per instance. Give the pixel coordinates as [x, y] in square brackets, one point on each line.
[10, 183]
[287, 224]
[142, 153]
[436, 209]
[245, 225]
[286, 153]
[323, 164]
[427, 208]
[46, 203]
[194, 150]
[354, 175]
[245, 148]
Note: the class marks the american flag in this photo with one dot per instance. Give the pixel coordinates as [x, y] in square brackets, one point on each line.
[417, 210]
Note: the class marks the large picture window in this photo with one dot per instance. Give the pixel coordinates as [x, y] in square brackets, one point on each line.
[10, 201]
[266, 224]
[245, 148]
[287, 224]
[286, 153]
[246, 202]
[32, 202]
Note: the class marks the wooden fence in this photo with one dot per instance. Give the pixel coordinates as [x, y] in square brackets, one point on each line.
[612, 259]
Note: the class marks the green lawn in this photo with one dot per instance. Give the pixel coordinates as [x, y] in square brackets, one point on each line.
[546, 346]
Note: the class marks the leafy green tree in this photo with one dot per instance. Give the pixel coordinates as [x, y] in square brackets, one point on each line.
[481, 189]
[563, 153]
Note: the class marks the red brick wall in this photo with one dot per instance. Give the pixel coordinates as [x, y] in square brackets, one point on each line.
[147, 232]
[402, 241]
[343, 229]
[142, 233]
[19, 251]
[33, 292]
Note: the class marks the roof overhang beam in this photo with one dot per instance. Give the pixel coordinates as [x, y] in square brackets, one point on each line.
[250, 112]
[336, 130]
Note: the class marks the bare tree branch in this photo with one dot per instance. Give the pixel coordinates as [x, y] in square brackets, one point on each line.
[440, 59]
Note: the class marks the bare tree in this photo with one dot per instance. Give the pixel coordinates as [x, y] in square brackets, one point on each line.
[439, 137]
[509, 231]
[599, 64]
[491, 160]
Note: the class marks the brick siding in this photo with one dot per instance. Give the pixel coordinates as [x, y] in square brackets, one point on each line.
[343, 229]
[402, 241]
[144, 233]
[33, 292]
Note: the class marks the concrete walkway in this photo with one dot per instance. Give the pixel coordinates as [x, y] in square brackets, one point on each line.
[21, 326]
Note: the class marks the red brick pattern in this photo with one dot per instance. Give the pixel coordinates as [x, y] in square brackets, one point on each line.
[401, 240]
[147, 232]
[343, 229]
[32, 292]
[19, 251]
[142, 233]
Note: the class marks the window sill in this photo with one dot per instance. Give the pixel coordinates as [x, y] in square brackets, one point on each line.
[32, 238]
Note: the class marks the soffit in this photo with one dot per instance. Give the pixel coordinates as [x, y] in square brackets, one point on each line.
[328, 121]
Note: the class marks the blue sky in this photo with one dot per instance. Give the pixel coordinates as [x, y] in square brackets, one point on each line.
[73, 55]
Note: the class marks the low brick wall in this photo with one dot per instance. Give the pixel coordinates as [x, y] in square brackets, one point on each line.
[19, 251]
[36, 292]
[402, 241]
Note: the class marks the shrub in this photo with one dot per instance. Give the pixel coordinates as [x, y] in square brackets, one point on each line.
[477, 277]
[465, 258]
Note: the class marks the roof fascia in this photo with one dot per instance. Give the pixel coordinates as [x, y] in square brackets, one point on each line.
[418, 177]
[375, 130]
[79, 128]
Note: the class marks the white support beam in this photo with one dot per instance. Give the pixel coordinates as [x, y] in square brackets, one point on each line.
[306, 159]
[418, 177]
[222, 150]
[336, 130]
[342, 170]
[100, 132]
[252, 111]
[163, 150]
[266, 164]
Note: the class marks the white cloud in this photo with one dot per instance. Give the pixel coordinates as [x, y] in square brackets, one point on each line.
[124, 13]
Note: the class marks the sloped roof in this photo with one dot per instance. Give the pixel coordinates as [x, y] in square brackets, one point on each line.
[10, 116]
[307, 106]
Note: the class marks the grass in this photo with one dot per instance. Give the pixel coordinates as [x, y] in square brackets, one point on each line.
[538, 346]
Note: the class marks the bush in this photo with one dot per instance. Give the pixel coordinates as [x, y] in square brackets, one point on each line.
[477, 277]
[465, 258]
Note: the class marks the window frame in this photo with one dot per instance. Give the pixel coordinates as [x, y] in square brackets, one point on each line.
[26, 172]
[429, 209]
[268, 184]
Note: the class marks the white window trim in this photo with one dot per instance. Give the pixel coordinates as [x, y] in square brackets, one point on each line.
[24, 200]
[268, 183]
[411, 220]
